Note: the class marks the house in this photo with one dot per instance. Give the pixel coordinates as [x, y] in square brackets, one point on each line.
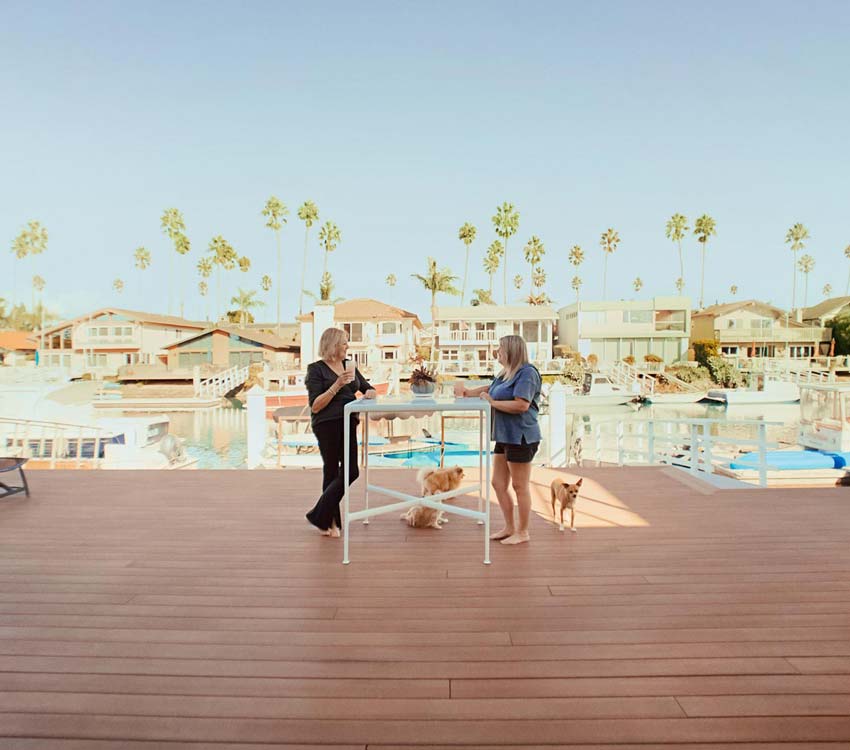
[824, 311]
[104, 340]
[613, 330]
[467, 337]
[225, 346]
[378, 334]
[750, 328]
[16, 347]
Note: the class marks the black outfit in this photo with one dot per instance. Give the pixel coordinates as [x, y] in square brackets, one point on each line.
[328, 429]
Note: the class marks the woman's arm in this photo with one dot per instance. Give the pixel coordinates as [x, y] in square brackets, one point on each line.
[473, 392]
[319, 396]
[514, 406]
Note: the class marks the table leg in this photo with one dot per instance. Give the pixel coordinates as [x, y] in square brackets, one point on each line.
[366, 461]
[346, 472]
[480, 462]
[486, 445]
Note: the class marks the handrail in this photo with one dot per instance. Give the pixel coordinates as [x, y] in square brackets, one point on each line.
[32, 438]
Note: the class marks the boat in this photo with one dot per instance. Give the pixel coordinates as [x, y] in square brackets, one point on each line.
[599, 390]
[764, 390]
[687, 397]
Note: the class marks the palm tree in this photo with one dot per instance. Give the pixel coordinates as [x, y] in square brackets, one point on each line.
[38, 286]
[518, 282]
[506, 224]
[796, 237]
[118, 285]
[847, 255]
[174, 227]
[142, 258]
[533, 252]
[244, 302]
[266, 283]
[276, 212]
[827, 290]
[391, 280]
[329, 238]
[609, 241]
[538, 281]
[466, 234]
[704, 227]
[806, 265]
[205, 268]
[308, 213]
[638, 284]
[437, 281]
[576, 285]
[31, 241]
[576, 256]
[244, 264]
[733, 289]
[223, 256]
[491, 265]
[680, 284]
[677, 225]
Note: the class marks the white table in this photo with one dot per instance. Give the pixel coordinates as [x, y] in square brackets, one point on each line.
[368, 407]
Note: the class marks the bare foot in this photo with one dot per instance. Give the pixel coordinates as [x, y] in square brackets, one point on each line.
[334, 532]
[503, 534]
[325, 532]
[519, 538]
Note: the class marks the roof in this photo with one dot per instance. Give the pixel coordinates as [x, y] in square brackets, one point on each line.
[826, 309]
[134, 315]
[289, 332]
[17, 341]
[259, 337]
[755, 305]
[367, 309]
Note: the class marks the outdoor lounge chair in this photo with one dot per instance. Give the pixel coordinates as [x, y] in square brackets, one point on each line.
[10, 464]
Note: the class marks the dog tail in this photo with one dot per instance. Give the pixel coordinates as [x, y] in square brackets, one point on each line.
[423, 474]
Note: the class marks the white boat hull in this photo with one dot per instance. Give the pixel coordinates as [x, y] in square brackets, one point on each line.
[676, 398]
[584, 402]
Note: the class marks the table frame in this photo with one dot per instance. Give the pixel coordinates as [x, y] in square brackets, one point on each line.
[366, 407]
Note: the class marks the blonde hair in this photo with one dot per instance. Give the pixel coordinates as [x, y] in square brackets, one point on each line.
[331, 339]
[515, 354]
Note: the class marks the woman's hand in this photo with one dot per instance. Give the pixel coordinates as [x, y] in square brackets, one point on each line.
[344, 379]
[371, 393]
[486, 397]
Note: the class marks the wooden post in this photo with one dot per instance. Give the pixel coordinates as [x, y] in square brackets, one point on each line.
[762, 430]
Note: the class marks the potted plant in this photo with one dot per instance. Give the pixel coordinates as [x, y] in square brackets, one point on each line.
[423, 382]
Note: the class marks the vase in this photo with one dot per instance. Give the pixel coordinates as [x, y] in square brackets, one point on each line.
[423, 390]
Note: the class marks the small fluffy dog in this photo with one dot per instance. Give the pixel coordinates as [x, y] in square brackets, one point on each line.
[432, 482]
[565, 494]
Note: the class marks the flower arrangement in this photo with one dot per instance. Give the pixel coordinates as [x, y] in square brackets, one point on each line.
[422, 379]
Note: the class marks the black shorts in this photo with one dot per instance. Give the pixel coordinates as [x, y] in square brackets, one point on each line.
[521, 453]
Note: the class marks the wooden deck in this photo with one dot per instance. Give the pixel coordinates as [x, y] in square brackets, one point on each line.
[198, 609]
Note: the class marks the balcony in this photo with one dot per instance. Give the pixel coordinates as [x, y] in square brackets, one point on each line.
[772, 335]
[466, 337]
[85, 341]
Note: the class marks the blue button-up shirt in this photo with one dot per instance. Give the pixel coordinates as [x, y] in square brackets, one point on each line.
[512, 428]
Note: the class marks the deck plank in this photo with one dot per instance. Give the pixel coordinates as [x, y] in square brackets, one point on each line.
[198, 609]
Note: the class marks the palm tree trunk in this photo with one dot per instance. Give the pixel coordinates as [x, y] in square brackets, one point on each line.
[806, 290]
[325, 267]
[702, 277]
[681, 264]
[303, 274]
[605, 278]
[15, 284]
[433, 325]
[217, 290]
[465, 274]
[170, 279]
[277, 233]
[505, 275]
[491, 284]
[794, 286]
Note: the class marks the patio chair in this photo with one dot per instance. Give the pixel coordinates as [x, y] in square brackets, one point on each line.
[10, 464]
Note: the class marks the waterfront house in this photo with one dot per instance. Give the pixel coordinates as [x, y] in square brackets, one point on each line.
[16, 347]
[750, 328]
[615, 329]
[465, 338]
[223, 346]
[106, 339]
[378, 334]
[825, 311]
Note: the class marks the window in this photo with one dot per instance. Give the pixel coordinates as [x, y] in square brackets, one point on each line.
[354, 331]
[449, 354]
[389, 327]
[637, 316]
[595, 316]
[92, 331]
[761, 324]
[670, 320]
[733, 323]
[390, 354]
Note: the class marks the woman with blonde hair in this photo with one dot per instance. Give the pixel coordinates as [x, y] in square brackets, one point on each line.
[332, 382]
[515, 397]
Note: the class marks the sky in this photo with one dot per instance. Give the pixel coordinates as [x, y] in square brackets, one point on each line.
[402, 121]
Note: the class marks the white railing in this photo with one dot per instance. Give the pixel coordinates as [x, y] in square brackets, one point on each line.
[471, 336]
[74, 445]
[693, 444]
[491, 367]
[628, 376]
[221, 383]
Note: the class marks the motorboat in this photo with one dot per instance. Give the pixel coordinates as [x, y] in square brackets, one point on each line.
[597, 389]
[764, 390]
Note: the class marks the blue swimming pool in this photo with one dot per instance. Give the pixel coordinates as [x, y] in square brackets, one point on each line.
[425, 458]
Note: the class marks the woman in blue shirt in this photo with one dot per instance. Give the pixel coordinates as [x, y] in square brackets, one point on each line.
[515, 397]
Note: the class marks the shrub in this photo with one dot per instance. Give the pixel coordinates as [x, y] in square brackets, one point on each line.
[592, 361]
[690, 374]
[724, 373]
[841, 333]
[573, 372]
[704, 350]
[652, 358]
[629, 360]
